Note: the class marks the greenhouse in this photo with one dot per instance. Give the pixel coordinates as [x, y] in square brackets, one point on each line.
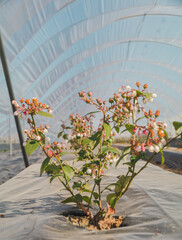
[90, 98]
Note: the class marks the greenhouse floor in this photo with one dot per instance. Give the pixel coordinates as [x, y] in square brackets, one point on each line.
[31, 208]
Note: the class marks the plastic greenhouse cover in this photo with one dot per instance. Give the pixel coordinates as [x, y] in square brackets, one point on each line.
[56, 48]
[32, 208]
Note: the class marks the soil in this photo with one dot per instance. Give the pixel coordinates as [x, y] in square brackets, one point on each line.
[96, 223]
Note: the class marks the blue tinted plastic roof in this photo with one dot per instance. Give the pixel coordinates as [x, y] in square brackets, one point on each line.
[56, 48]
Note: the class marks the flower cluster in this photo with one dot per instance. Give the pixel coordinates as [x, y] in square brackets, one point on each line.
[98, 103]
[36, 133]
[54, 149]
[122, 105]
[28, 107]
[82, 126]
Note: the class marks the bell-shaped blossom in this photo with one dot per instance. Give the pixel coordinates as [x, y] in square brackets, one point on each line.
[151, 148]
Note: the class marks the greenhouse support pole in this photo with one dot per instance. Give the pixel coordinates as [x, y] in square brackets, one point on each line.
[11, 95]
[10, 136]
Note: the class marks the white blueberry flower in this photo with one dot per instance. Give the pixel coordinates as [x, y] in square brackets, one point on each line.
[50, 111]
[154, 95]
[134, 93]
[38, 138]
[59, 145]
[160, 145]
[89, 171]
[115, 159]
[163, 141]
[151, 148]
[14, 102]
[16, 105]
[154, 125]
[128, 88]
[45, 130]
[16, 113]
[24, 144]
[151, 100]
[165, 125]
[156, 148]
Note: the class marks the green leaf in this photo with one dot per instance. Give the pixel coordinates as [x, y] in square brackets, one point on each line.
[69, 172]
[96, 202]
[77, 185]
[65, 136]
[147, 95]
[166, 134]
[45, 114]
[122, 184]
[59, 134]
[93, 141]
[87, 190]
[55, 176]
[110, 149]
[139, 92]
[52, 168]
[31, 146]
[86, 141]
[44, 165]
[86, 199]
[117, 129]
[177, 125]
[69, 200]
[107, 129]
[130, 127]
[78, 198]
[112, 199]
[96, 195]
[91, 113]
[162, 156]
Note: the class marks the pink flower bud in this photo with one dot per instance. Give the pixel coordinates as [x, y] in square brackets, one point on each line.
[89, 94]
[135, 129]
[145, 132]
[142, 148]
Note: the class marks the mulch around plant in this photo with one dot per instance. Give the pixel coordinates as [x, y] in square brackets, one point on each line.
[101, 224]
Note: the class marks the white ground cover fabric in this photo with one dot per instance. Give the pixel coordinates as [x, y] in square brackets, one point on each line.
[32, 208]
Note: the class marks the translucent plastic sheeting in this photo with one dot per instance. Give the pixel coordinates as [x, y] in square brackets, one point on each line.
[56, 48]
[32, 208]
